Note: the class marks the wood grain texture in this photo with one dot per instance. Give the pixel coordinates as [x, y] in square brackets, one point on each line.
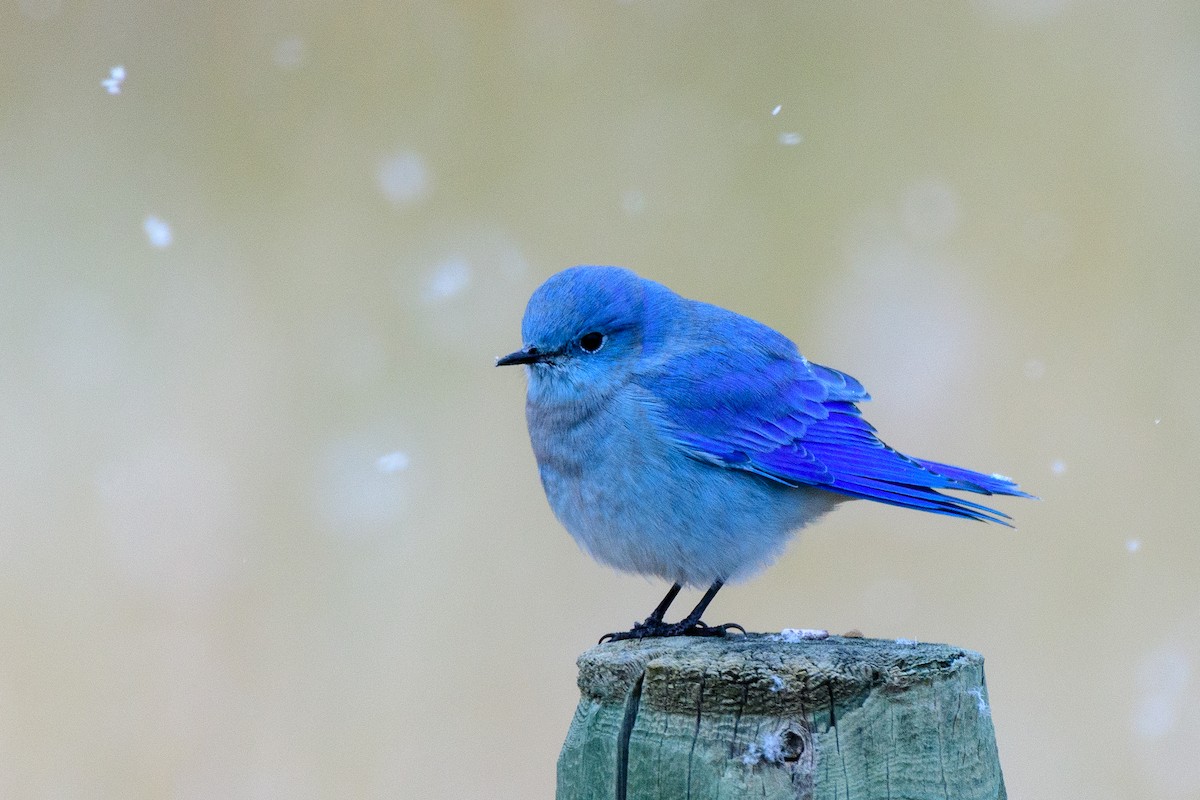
[758, 716]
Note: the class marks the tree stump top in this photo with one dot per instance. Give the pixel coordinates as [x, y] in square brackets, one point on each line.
[775, 716]
[762, 672]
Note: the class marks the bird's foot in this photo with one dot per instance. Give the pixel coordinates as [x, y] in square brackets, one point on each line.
[652, 629]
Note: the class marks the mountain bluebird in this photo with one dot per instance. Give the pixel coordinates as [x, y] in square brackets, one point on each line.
[678, 439]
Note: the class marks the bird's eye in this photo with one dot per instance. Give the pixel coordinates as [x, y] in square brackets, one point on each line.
[591, 342]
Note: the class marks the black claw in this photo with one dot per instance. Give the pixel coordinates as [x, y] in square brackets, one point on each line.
[654, 629]
[700, 629]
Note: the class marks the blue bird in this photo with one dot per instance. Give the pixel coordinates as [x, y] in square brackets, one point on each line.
[677, 439]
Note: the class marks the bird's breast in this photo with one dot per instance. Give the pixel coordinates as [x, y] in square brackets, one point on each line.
[572, 440]
[635, 500]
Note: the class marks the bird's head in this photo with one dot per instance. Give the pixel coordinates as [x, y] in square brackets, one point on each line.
[584, 331]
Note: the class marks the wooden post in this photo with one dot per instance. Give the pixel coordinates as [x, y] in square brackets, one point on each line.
[772, 717]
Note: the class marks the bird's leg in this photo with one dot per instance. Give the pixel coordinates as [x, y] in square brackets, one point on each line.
[691, 624]
[656, 615]
[653, 626]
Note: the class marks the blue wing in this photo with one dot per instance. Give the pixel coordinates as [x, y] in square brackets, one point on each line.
[759, 406]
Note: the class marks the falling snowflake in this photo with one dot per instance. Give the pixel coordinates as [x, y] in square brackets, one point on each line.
[116, 77]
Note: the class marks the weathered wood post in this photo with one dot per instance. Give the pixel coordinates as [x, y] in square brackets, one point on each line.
[772, 717]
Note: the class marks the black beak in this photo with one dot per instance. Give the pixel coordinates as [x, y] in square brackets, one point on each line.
[529, 355]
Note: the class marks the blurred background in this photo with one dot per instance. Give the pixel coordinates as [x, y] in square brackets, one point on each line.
[269, 521]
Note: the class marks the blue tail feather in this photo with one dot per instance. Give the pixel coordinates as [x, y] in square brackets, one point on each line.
[972, 481]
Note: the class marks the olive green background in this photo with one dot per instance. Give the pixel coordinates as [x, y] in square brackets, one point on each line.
[269, 521]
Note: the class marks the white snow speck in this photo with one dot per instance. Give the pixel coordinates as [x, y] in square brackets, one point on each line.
[403, 178]
[775, 111]
[1058, 467]
[768, 749]
[984, 709]
[448, 279]
[158, 232]
[906, 642]
[793, 635]
[778, 684]
[392, 462]
[1156, 421]
[1162, 682]
[289, 53]
[1133, 545]
[116, 77]
[790, 138]
[351, 496]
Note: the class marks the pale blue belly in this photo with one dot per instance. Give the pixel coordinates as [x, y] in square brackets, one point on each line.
[637, 502]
